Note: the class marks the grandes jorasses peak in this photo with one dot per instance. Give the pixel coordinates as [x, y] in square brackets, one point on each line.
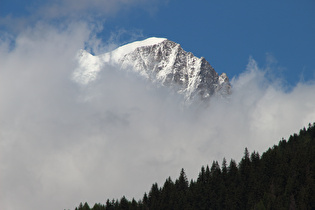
[163, 62]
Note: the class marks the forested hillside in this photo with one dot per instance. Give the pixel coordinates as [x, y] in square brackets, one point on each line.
[283, 177]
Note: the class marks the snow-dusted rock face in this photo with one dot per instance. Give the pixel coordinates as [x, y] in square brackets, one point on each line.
[163, 62]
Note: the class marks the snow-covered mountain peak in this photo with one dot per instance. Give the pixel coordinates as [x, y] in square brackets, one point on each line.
[118, 53]
[161, 61]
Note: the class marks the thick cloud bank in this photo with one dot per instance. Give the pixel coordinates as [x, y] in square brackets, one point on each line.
[62, 143]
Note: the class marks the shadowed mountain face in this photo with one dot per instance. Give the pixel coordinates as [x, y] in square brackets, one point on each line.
[165, 62]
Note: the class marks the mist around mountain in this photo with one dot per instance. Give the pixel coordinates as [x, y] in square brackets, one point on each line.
[283, 177]
[64, 142]
[162, 62]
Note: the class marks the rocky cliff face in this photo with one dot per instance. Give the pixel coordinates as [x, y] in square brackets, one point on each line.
[163, 62]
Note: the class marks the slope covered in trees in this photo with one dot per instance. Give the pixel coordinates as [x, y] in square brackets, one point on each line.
[282, 178]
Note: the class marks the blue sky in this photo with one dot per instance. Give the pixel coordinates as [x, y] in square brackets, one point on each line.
[226, 33]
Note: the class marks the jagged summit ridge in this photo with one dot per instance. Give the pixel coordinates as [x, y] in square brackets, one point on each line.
[161, 61]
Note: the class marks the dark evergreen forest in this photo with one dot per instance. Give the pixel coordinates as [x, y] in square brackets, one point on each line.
[283, 177]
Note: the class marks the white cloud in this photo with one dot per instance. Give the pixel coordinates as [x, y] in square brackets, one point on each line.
[79, 8]
[62, 143]
[58, 11]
